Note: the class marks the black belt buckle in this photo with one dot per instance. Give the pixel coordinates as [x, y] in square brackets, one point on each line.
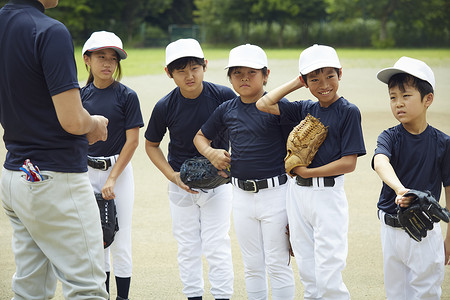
[105, 164]
[251, 186]
[101, 164]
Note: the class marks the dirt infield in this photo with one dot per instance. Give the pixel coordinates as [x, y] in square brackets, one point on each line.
[155, 271]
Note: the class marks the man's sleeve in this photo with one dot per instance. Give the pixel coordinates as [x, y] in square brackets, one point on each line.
[57, 58]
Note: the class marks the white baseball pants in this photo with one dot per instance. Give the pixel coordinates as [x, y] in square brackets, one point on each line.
[120, 249]
[200, 225]
[412, 270]
[260, 223]
[318, 224]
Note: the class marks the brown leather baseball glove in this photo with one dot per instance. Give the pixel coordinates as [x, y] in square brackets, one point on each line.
[304, 142]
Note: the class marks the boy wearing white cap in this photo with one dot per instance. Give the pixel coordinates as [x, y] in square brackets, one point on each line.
[200, 218]
[316, 202]
[411, 155]
[109, 163]
[258, 146]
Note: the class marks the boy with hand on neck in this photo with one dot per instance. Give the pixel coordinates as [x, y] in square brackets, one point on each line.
[411, 155]
[316, 202]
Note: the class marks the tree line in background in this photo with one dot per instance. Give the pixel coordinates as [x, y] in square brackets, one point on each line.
[268, 23]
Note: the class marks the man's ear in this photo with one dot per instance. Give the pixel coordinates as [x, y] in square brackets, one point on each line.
[167, 72]
[428, 99]
[206, 65]
[340, 74]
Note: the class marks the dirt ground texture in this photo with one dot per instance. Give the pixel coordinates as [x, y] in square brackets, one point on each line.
[155, 270]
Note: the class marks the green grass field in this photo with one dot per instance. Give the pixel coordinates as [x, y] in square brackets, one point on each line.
[151, 60]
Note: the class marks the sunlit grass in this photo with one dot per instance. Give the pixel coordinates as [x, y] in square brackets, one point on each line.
[151, 60]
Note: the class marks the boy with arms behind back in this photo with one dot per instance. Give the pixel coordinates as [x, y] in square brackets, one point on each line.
[411, 155]
[316, 201]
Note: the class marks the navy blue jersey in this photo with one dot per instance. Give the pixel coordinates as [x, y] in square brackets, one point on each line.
[258, 142]
[343, 119]
[36, 63]
[421, 162]
[184, 117]
[120, 105]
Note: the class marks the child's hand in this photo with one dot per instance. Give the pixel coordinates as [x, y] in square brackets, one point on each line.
[219, 158]
[403, 201]
[108, 189]
[301, 171]
[223, 174]
[299, 83]
[177, 180]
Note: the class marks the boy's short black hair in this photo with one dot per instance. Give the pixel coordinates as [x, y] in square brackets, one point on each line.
[317, 72]
[399, 80]
[182, 62]
[231, 69]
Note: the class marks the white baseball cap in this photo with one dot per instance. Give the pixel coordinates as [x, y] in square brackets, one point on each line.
[183, 48]
[412, 66]
[103, 40]
[247, 55]
[317, 57]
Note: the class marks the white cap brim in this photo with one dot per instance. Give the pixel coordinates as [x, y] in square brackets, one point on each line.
[386, 74]
[119, 51]
[104, 40]
[320, 65]
[411, 66]
[245, 64]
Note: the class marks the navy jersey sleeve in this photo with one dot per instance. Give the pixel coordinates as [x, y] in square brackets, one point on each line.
[384, 145]
[214, 126]
[133, 115]
[291, 112]
[445, 171]
[57, 58]
[352, 136]
[289, 123]
[157, 125]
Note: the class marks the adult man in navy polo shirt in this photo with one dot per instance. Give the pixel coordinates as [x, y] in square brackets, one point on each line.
[56, 225]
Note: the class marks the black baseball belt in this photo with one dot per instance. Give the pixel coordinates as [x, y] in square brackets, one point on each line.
[99, 163]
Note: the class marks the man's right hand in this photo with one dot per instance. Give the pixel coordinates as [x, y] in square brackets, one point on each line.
[99, 131]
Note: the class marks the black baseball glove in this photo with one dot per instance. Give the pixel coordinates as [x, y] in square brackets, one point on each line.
[108, 216]
[200, 173]
[419, 216]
